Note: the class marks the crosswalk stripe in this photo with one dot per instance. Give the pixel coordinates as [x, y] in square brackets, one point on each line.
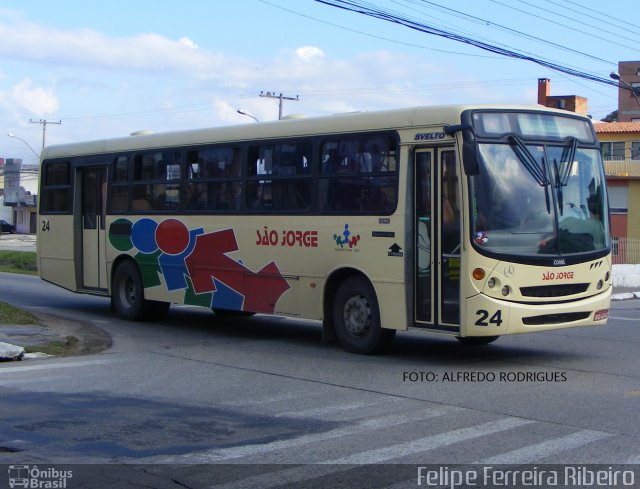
[545, 448]
[357, 428]
[380, 455]
[319, 411]
[53, 365]
[299, 474]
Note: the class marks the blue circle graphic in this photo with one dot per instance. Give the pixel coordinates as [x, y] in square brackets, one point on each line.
[143, 235]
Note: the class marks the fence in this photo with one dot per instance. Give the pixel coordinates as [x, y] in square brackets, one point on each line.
[625, 251]
[614, 167]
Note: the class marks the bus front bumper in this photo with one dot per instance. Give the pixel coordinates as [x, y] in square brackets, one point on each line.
[487, 316]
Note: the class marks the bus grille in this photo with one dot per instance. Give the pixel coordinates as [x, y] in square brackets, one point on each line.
[566, 317]
[558, 290]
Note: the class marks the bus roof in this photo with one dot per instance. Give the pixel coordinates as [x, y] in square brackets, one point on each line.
[349, 122]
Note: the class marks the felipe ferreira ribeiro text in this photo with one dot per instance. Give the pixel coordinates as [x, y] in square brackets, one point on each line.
[489, 476]
[476, 376]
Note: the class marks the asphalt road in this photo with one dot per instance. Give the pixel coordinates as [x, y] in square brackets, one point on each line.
[253, 394]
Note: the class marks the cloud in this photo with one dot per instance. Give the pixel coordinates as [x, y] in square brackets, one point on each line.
[37, 101]
[150, 80]
[309, 53]
[188, 42]
[28, 41]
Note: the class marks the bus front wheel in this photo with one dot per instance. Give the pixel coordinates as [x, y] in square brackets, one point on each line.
[356, 317]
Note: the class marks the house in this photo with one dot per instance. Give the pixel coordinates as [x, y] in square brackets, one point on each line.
[18, 204]
[572, 103]
[620, 143]
[629, 91]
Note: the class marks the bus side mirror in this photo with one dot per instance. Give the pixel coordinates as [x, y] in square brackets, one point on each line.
[470, 157]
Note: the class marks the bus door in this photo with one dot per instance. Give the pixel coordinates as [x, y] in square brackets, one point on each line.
[93, 206]
[436, 239]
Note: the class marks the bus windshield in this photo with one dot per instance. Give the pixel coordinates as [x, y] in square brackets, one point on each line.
[538, 199]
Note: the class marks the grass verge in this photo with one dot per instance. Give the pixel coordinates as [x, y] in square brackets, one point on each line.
[58, 348]
[14, 315]
[18, 262]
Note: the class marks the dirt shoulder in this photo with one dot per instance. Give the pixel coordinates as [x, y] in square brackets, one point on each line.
[56, 336]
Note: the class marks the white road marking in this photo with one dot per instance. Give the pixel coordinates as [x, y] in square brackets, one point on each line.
[355, 429]
[50, 366]
[548, 447]
[282, 477]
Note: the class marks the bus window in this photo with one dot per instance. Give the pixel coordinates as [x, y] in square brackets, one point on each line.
[56, 189]
[288, 188]
[358, 175]
[156, 179]
[213, 180]
[121, 188]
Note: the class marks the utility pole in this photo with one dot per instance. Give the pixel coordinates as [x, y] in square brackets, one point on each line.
[44, 127]
[280, 98]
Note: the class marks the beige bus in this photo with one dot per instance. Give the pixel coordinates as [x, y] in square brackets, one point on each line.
[472, 221]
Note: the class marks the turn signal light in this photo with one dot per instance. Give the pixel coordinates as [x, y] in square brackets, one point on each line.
[478, 273]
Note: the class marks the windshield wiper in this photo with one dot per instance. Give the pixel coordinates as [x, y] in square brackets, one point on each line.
[568, 155]
[562, 178]
[538, 172]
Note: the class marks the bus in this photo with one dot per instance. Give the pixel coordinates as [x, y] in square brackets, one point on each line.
[472, 221]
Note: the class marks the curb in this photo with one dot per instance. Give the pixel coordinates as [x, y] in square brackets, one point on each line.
[623, 296]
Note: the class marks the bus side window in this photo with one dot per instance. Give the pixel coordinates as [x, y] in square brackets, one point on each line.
[140, 200]
[357, 174]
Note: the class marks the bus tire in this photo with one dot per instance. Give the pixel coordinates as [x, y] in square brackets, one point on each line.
[127, 294]
[476, 340]
[356, 318]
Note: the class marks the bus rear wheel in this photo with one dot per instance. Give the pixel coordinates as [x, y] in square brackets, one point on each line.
[127, 296]
[356, 317]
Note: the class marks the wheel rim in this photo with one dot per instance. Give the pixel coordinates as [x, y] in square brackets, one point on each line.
[128, 292]
[357, 316]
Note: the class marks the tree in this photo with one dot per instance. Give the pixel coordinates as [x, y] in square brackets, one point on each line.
[612, 117]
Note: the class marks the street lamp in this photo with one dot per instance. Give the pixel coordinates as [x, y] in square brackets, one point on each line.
[247, 114]
[11, 135]
[617, 77]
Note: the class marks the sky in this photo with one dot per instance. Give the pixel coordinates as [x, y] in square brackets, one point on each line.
[107, 69]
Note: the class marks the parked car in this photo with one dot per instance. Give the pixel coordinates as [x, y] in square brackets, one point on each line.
[5, 227]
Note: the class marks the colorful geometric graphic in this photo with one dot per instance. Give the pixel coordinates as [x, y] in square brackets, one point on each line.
[344, 239]
[197, 263]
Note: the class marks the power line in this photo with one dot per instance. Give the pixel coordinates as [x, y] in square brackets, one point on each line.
[346, 91]
[559, 23]
[601, 13]
[395, 41]
[599, 19]
[358, 7]
[421, 88]
[514, 31]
